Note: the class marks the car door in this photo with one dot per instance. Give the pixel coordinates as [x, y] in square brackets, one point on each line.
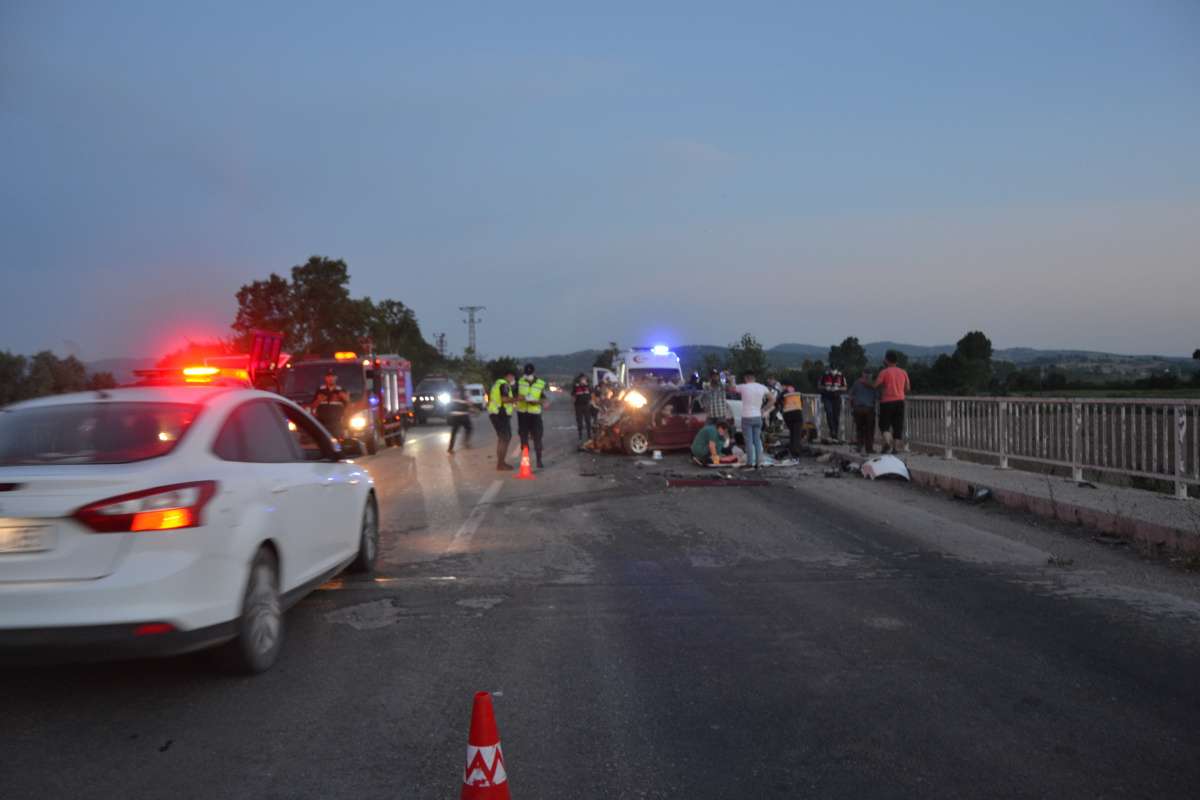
[671, 422]
[288, 485]
[336, 494]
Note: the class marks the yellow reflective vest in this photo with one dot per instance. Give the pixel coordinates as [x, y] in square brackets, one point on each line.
[529, 395]
[498, 401]
[793, 401]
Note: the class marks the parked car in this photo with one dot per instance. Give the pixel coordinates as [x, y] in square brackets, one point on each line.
[164, 519]
[433, 396]
[659, 419]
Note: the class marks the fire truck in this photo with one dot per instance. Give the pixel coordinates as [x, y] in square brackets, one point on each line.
[380, 389]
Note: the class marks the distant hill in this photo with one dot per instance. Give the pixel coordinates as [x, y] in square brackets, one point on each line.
[793, 354]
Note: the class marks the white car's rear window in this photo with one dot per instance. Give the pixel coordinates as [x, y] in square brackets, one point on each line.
[92, 433]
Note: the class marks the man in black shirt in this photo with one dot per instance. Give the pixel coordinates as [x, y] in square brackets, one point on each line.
[460, 417]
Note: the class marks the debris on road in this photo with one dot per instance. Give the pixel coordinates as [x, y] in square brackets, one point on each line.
[885, 467]
[1059, 561]
[975, 494]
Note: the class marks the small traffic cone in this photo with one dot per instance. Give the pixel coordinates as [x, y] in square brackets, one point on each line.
[526, 472]
[484, 777]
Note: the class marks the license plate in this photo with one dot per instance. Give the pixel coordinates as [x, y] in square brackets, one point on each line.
[25, 539]
[426, 407]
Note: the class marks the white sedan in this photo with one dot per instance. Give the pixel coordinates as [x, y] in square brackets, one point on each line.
[165, 519]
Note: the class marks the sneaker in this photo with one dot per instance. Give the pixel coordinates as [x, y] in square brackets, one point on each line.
[539, 464]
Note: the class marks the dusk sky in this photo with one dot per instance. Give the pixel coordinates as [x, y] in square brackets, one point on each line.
[804, 171]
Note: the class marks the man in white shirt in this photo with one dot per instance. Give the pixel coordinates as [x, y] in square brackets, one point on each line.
[754, 395]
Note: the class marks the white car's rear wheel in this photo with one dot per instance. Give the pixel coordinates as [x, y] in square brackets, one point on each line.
[368, 539]
[260, 627]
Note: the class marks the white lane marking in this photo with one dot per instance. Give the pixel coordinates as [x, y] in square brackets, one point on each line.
[462, 537]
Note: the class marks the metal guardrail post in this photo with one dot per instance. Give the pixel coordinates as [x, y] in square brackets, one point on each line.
[1181, 491]
[947, 408]
[1002, 433]
[1076, 442]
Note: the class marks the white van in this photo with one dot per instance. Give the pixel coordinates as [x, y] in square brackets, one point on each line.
[476, 395]
[638, 365]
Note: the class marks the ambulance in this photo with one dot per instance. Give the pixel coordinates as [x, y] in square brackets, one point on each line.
[640, 366]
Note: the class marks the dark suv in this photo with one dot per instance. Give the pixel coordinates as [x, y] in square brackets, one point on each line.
[432, 397]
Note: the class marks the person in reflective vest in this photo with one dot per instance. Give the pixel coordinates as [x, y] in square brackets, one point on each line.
[531, 399]
[500, 411]
[329, 404]
[793, 416]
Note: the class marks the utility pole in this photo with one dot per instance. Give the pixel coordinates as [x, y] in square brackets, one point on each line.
[471, 321]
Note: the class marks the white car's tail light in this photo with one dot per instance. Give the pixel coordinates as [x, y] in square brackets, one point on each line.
[165, 508]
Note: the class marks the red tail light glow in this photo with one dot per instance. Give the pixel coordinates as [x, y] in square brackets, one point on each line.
[164, 508]
[153, 629]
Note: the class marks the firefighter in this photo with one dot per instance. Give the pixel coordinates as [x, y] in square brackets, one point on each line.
[329, 404]
[500, 411]
[531, 399]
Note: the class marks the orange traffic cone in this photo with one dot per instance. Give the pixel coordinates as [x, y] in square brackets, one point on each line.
[484, 777]
[526, 471]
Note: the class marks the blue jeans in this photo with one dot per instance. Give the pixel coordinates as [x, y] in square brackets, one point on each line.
[752, 430]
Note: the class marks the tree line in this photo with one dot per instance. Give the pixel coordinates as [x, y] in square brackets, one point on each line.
[316, 315]
[969, 370]
[22, 378]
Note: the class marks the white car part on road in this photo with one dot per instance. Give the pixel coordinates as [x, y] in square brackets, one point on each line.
[885, 467]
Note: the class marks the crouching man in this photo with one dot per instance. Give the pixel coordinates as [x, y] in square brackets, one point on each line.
[706, 447]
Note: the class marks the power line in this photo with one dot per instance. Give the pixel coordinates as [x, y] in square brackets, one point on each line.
[471, 321]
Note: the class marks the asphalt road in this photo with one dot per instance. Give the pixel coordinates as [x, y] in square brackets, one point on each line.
[810, 638]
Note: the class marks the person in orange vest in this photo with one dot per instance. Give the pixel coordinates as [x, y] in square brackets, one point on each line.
[793, 417]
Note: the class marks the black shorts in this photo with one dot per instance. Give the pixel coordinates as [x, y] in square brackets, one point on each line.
[891, 418]
[502, 424]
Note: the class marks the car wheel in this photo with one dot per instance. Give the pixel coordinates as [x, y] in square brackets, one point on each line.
[420, 420]
[260, 627]
[372, 442]
[401, 435]
[368, 539]
[637, 443]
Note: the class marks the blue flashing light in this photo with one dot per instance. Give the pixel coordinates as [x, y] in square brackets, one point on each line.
[373, 400]
[660, 350]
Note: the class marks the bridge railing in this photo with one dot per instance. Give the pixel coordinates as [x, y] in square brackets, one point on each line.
[1146, 438]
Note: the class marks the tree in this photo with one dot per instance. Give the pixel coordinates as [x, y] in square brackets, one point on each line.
[265, 305]
[499, 367]
[712, 361]
[975, 346]
[316, 315]
[747, 355]
[324, 318]
[971, 371]
[1054, 380]
[1196, 354]
[849, 356]
[48, 374]
[607, 357]
[393, 328]
[98, 381]
[813, 370]
[12, 378]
